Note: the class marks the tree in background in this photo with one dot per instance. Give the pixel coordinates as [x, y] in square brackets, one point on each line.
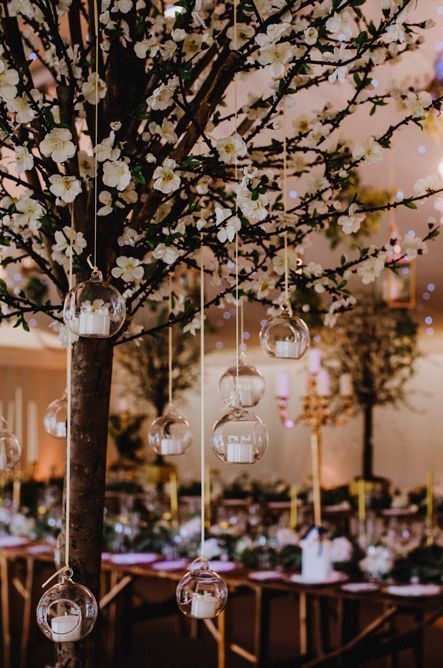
[177, 168]
[377, 345]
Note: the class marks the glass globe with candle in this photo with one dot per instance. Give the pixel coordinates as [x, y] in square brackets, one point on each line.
[67, 611]
[10, 447]
[170, 434]
[56, 417]
[285, 335]
[239, 436]
[250, 384]
[94, 309]
[201, 593]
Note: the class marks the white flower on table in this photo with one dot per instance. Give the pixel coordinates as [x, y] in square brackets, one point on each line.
[371, 268]
[24, 160]
[128, 269]
[351, 222]
[286, 536]
[65, 188]
[231, 148]
[168, 254]
[213, 549]
[66, 242]
[277, 56]
[379, 561]
[370, 151]
[230, 228]
[8, 82]
[22, 526]
[21, 106]
[94, 89]
[165, 179]
[58, 145]
[427, 184]
[116, 174]
[341, 549]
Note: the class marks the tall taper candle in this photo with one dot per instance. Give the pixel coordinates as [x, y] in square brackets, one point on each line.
[362, 500]
[19, 413]
[293, 510]
[430, 497]
[208, 497]
[32, 432]
[10, 416]
[174, 496]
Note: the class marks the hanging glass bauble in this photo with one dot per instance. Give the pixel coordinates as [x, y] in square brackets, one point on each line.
[171, 433]
[201, 593]
[285, 335]
[250, 386]
[67, 611]
[239, 436]
[94, 309]
[10, 447]
[56, 417]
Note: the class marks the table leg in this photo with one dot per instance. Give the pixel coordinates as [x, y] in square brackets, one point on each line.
[261, 627]
[303, 615]
[112, 616]
[221, 643]
[5, 612]
[27, 612]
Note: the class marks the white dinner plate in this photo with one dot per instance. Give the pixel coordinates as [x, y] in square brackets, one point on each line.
[133, 558]
[359, 587]
[222, 566]
[12, 541]
[414, 590]
[265, 576]
[176, 565]
[336, 576]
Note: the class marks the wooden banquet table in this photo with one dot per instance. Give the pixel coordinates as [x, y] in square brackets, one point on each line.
[316, 603]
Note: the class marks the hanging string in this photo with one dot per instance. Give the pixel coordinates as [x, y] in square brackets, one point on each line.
[202, 402]
[242, 325]
[235, 210]
[170, 344]
[96, 128]
[285, 204]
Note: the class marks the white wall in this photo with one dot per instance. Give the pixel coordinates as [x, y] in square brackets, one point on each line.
[407, 443]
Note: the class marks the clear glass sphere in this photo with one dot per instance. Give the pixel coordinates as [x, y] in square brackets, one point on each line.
[170, 434]
[94, 309]
[67, 611]
[250, 386]
[285, 335]
[201, 593]
[239, 436]
[10, 447]
[56, 417]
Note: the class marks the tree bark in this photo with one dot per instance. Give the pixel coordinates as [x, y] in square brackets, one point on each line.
[91, 386]
[368, 446]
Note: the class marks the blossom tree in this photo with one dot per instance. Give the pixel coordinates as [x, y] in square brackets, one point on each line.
[150, 128]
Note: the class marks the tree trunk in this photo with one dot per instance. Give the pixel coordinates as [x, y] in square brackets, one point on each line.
[368, 447]
[91, 385]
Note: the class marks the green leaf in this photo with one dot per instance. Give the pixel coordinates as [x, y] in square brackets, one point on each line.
[410, 205]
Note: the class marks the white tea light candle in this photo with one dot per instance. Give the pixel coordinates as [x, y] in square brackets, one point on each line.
[96, 323]
[204, 606]
[170, 446]
[240, 453]
[286, 348]
[66, 628]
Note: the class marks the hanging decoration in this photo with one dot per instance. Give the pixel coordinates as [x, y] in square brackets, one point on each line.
[171, 433]
[239, 436]
[285, 335]
[56, 416]
[202, 593]
[249, 385]
[10, 447]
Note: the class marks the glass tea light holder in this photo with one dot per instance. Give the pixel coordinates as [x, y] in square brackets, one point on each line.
[170, 434]
[10, 447]
[201, 593]
[239, 436]
[285, 336]
[94, 309]
[67, 611]
[56, 417]
[250, 384]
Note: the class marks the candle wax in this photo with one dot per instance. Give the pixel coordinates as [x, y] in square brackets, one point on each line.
[97, 324]
[66, 628]
[204, 606]
[287, 349]
[240, 453]
[170, 446]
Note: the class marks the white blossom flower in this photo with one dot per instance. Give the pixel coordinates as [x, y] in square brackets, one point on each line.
[252, 209]
[341, 25]
[161, 98]
[67, 242]
[128, 269]
[94, 89]
[276, 56]
[105, 198]
[58, 145]
[65, 188]
[378, 562]
[165, 131]
[193, 326]
[168, 254]
[165, 179]
[427, 184]
[371, 268]
[21, 106]
[417, 103]
[106, 149]
[29, 212]
[341, 550]
[86, 165]
[191, 45]
[24, 160]
[129, 237]
[116, 174]
[244, 33]
[311, 35]
[351, 222]
[413, 246]
[370, 151]
[231, 148]
[230, 228]
[8, 84]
